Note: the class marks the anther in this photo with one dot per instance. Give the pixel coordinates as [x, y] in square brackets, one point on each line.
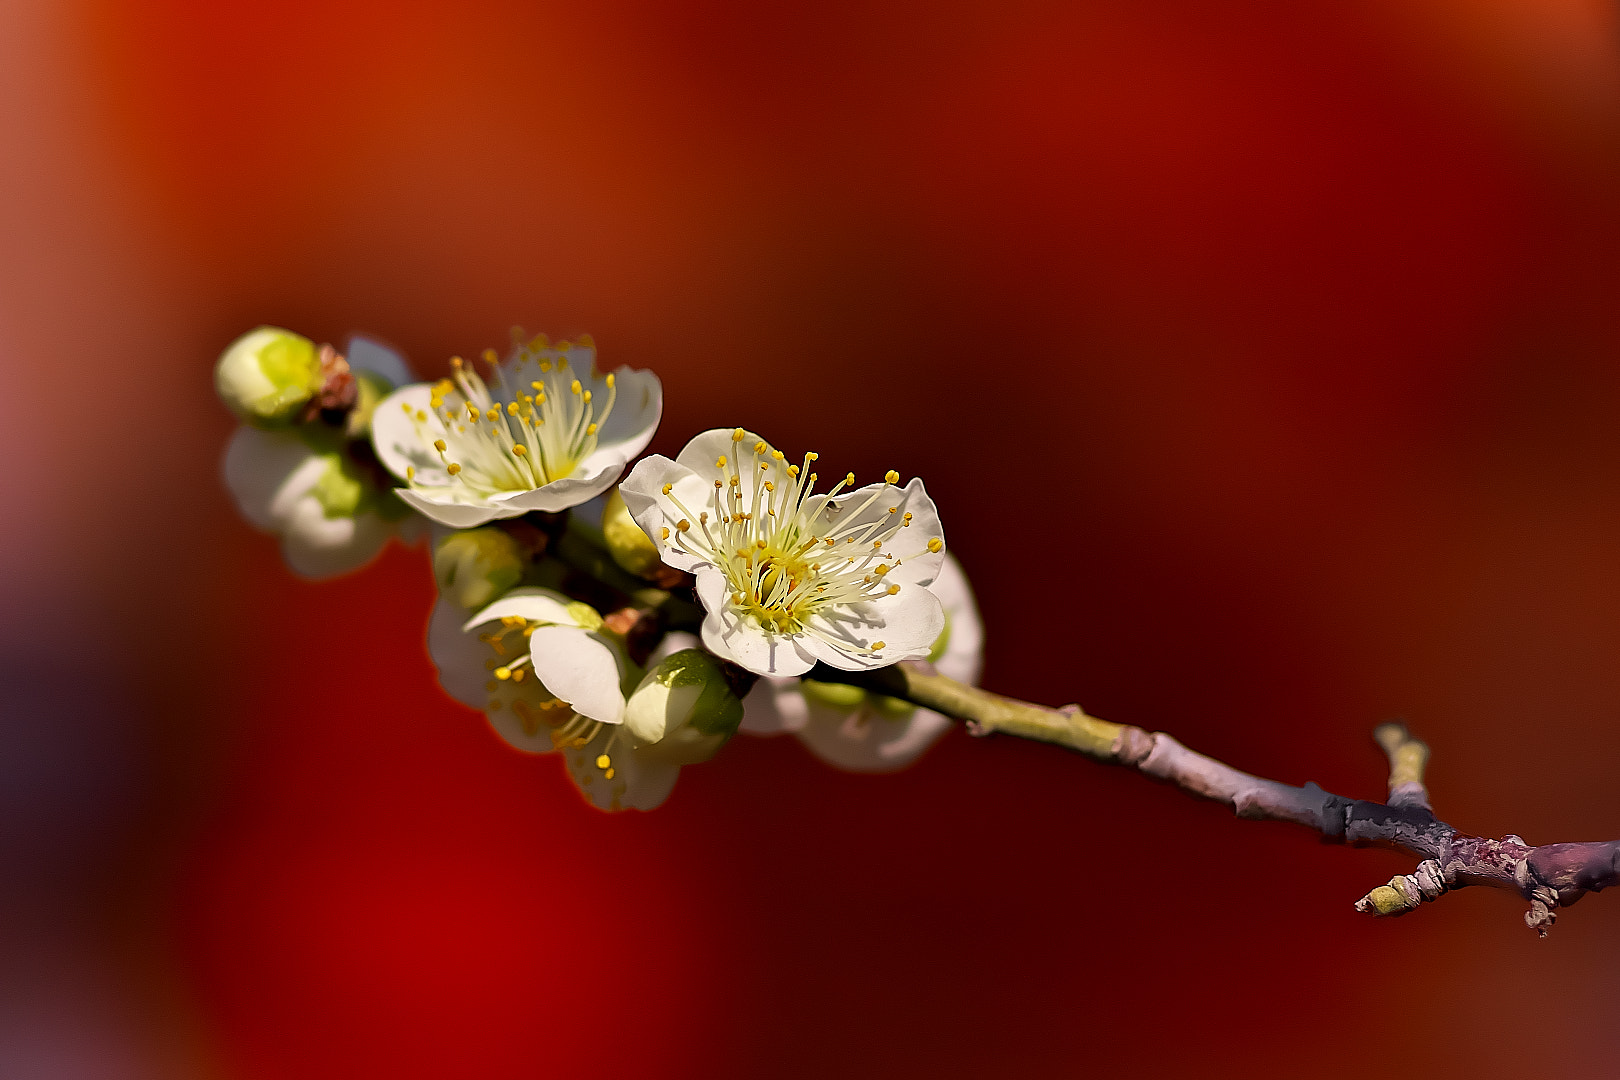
[668, 488]
[520, 450]
[574, 387]
[663, 534]
[503, 673]
[682, 525]
[610, 381]
[891, 477]
[876, 645]
[438, 444]
[452, 468]
[849, 478]
[739, 435]
[490, 357]
[936, 545]
[604, 762]
[720, 462]
[893, 589]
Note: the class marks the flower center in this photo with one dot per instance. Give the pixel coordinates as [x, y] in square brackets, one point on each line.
[513, 437]
[785, 558]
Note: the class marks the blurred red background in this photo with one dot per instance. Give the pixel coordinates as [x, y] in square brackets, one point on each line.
[1262, 360]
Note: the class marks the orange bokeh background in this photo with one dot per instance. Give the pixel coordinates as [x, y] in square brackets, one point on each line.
[1262, 360]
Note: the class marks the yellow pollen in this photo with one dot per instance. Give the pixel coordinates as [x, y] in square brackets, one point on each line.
[849, 478]
[812, 456]
[452, 468]
[768, 486]
[663, 534]
[907, 519]
[421, 417]
[893, 589]
[587, 396]
[538, 388]
[410, 472]
[590, 429]
[739, 435]
[503, 673]
[877, 545]
[936, 545]
[604, 762]
[720, 462]
[894, 509]
[573, 387]
[884, 569]
[876, 645]
[891, 477]
[520, 450]
[492, 415]
[517, 676]
[668, 488]
[438, 444]
[793, 471]
[682, 525]
[511, 408]
[760, 447]
[610, 381]
[490, 357]
[472, 410]
[455, 361]
[607, 774]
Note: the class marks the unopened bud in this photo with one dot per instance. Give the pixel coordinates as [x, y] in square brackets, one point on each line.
[684, 710]
[474, 567]
[267, 375]
[628, 545]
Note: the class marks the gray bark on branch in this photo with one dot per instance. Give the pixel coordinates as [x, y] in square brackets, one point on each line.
[1549, 876]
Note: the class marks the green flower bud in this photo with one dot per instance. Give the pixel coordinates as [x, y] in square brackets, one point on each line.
[684, 710]
[628, 545]
[475, 566]
[267, 375]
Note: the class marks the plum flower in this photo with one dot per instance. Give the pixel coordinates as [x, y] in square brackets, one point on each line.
[789, 577]
[548, 678]
[547, 433]
[301, 484]
[851, 729]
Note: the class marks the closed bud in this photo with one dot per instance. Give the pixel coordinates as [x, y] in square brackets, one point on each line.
[267, 375]
[626, 542]
[684, 710]
[475, 567]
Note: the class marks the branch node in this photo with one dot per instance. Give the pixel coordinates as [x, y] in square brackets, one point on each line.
[1405, 892]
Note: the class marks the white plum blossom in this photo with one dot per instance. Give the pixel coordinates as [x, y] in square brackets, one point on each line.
[546, 433]
[789, 577]
[861, 732]
[547, 676]
[300, 483]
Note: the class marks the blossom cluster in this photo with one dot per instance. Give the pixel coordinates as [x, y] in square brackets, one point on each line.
[628, 627]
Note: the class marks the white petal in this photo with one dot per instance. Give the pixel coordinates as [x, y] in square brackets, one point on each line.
[256, 464]
[644, 497]
[868, 741]
[908, 623]
[774, 706]
[459, 657]
[394, 434]
[580, 668]
[636, 412]
[964, 649]
[368, 354]
[457, 515]
[746, 645]
[639, 782]
[506, 723]
[295, 488]
[919, 566]
[561, 494]
[528, 602]
[316, 546]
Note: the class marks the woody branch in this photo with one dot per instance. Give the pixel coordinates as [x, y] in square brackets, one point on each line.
[1549, 876]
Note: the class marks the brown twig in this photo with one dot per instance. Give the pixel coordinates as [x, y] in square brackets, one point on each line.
[1549, 876]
